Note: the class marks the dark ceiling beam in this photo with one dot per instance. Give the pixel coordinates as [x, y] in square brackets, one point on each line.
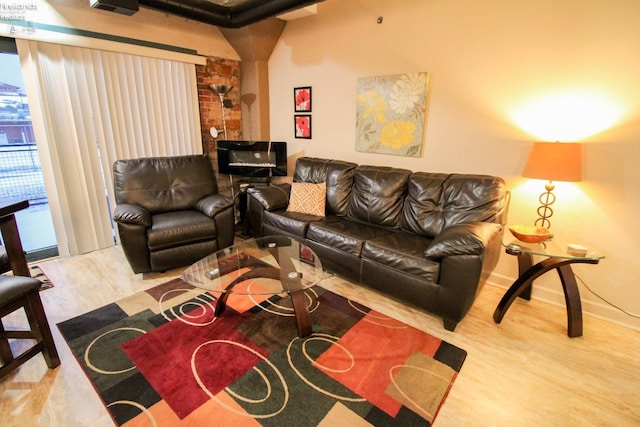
[237, 16]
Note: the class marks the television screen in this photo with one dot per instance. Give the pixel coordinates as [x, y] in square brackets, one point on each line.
[252, 158]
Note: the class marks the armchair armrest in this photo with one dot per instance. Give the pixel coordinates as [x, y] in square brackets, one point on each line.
[213, 204]
[463, 239]
[132, 214]
[272, 197]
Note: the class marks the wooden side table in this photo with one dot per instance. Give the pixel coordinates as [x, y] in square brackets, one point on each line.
[11, 236]
[556, 258]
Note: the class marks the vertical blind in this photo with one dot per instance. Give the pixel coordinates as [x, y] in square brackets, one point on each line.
[90, 108]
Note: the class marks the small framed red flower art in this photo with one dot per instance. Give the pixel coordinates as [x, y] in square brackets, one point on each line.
[302, 125]
[302, 99]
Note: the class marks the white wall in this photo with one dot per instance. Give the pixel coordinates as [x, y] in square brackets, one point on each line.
[488, 60]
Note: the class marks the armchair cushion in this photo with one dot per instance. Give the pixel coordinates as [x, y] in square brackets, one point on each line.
[173, 229]
[161, 184]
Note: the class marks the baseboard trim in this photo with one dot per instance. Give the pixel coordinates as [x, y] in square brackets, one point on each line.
[597, 309]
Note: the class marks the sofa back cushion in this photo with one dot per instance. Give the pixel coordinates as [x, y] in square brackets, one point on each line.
[377, 195]
[163, 184]
[435, 201]
[338, 176]
[422, 214]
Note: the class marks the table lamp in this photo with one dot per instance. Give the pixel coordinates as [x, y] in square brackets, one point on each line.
[553, 161]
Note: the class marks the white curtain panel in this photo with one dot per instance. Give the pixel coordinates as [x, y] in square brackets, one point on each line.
[90, 108]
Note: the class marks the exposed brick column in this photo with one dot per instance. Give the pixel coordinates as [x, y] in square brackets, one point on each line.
[223, 72]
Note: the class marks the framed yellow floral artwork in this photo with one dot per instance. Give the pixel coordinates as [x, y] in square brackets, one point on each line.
[390, 114]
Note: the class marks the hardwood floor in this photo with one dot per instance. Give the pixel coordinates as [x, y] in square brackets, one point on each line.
[523, 372]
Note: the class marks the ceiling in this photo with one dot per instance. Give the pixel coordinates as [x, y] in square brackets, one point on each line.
[227, 13]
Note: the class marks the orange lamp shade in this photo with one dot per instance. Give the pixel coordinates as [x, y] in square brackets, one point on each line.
[554, 161]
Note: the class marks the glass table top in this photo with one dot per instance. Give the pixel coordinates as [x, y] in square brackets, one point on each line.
[267, 265]
[557, 246]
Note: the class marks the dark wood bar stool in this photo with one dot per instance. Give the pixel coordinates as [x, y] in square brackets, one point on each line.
[5, 265]
[12, 251]
[18, 292]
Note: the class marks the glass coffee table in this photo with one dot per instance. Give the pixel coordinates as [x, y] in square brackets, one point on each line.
[558, 254]
[263, 266]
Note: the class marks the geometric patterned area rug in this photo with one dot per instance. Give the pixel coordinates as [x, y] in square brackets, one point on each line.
[161, 358]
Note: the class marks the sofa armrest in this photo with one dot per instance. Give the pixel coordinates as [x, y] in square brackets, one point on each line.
[463, 239]
[132, 214]
[213, 204]
[272, 197]
[263, 199]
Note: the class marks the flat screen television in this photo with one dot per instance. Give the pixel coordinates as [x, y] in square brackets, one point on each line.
[252, 159]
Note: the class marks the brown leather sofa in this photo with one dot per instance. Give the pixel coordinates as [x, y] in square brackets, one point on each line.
[169, 213]
[429, 239]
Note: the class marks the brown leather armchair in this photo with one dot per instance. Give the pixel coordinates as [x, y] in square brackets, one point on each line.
[169, 213]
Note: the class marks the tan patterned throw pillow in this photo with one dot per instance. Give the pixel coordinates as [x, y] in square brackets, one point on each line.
[308, 198]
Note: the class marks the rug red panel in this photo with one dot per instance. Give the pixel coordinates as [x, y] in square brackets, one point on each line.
[184, 363]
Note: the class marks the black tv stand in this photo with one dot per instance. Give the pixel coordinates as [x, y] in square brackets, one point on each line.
[260, 180]
[239, 189]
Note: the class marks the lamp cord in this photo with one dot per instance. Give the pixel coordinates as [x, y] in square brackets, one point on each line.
[604, 300]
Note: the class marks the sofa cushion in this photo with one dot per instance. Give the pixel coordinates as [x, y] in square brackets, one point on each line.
[402, 251]
[473, 198]
[311, 169]
[173, 229]
[422, 214]
[338, 176]
[343, 234]
[308, 198]
[378, 195]
[339, 183]
[436, 201]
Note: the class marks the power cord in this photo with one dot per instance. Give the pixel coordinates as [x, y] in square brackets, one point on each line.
[604, 300]
[329, 275]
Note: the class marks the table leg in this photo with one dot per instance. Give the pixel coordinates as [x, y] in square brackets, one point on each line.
[290, 279]
[569, 285]
[572, 299]
[221, 304]
[267, 272]
[301, 310]
[525, 262]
